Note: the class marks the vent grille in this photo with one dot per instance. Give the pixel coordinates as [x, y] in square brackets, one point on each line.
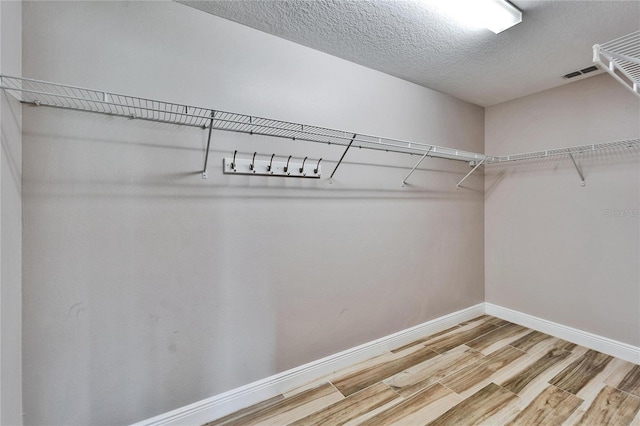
[581, 72]
[572, 74]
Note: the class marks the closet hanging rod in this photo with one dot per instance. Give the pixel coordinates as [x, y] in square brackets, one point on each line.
[45, 93]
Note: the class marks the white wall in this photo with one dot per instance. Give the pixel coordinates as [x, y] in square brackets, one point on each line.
[10, 220]
[554, 249]
[147, 288]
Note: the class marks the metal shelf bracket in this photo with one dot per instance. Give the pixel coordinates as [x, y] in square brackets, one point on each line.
[206, 154]
[342, 158]
[404, 181]
[469, 174]
[577, 169]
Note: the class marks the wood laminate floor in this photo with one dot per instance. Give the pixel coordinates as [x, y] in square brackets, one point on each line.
[486, 371]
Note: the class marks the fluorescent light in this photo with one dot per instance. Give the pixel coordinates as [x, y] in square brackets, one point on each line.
[495, 15]
[499, 15]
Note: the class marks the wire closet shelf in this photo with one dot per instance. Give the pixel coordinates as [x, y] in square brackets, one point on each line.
[621, 59]
[45, 93]
[613, 145]
[57, 95]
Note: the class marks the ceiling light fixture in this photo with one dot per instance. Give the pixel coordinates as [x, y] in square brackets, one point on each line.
[498, 15]
[495, 15]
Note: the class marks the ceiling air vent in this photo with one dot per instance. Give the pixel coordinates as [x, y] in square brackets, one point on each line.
[592, 68]
[572, 74]
[581, 72]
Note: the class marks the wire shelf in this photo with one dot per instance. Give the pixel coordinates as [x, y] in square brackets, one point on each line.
[621, 144]
[76, 98]
[44, 93]
[621, 59]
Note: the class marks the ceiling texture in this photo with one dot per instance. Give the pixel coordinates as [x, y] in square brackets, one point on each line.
[419, 41]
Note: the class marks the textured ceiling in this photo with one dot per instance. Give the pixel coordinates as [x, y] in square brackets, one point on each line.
[419, 41]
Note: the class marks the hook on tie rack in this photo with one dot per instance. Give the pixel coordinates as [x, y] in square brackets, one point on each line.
[286, 168]
[302, 167]
[317, 167]
[252, 166]
[270, 164]
[233, 163]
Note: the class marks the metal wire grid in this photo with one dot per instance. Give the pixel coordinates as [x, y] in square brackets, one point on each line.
[77, 98]
[70, 97]
[622, 54]
[614, 145]
[625, 51]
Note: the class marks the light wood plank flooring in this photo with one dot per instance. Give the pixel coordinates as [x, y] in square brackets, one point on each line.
[486, 371]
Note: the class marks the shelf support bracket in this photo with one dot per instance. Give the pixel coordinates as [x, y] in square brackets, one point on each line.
[342, 158]
[404, 181]
[469, 174]
[577, 169]
[206, 154]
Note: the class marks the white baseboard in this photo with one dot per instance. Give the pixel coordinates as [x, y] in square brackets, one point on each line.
[592, 341]
[225, 403]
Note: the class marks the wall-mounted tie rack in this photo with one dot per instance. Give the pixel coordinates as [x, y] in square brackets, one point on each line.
[291, 167]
